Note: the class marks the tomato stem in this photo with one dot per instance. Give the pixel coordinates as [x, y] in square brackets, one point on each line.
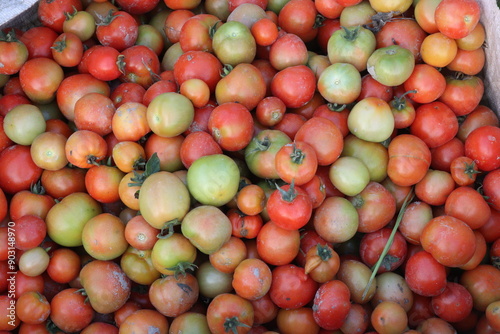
[288, 195]
[399, 103]
[297, 155]
[170, 227]
[350, 33]
[336, 107]
[181, 268]
[232, 324]
[324, 252]
[408, 199]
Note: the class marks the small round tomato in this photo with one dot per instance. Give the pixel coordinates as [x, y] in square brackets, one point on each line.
[424, 275]
[230, 311]
[289, 207]
[331, 305]
[291, 288]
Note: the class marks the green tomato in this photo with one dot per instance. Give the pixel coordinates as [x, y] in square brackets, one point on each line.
[349, 175]
[163, 197]
[213, 179]
[66, 219]
[170, 114]
[340, 83]
[23, 124]
[352, 45]
[391, 65]
[233, 43]
[371, 119]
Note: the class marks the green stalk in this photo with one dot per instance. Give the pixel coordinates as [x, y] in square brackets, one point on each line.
[388, 245]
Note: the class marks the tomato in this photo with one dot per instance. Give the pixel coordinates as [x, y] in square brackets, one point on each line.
[424, 15]
[163, 198]
[67, 50]
[349, 175]
[139, 64]
[213, 179]
[291, 288]
[64, 265]
[231, 125]
[424, 275]
[482, 146]
[3, 205]
[66, 219]
[297, 95]
[482, 284]
[372, 88]
[321, 263]
[438, 50]
[391, 65]
[34, 261]
[102, 62]
[40, 79]
[15, 178]
[331, 305]
[213, 282]
[73, 87]
[48, 151]
[170, 114]
[459, 25]
[473, 40]
[490, 188]
[52, 13]
[462, 243]
[81, 23]
[174, 295]
[443, 155]
[435, 187]
[251, 199]
[38, 40]
[233, 43]
[229, 311]
[340, 83]
[110, 296]
[289, 320]
[66, 302]
[63, 182]
[14, 54]
[371, 119]
[103, 237]
[409, 159]
[453, 95]
[276, 245]
[480, 116]
[31, 119]
[426, 84]
[94, 112]
[468, 62]
[171, 255]
[298, 18]
[32, 308]
[406, 33]
[227, 258]
[140, 234]
[30, 231]
[469, 206]
[108, 34]
[252, 279]
[244, 226]
[336, 219]
[352, 45]
[143, 321]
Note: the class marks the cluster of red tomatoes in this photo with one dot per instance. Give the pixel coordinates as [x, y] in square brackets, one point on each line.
[248, 166]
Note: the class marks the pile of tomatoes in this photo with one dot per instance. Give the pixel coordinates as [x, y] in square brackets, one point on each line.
[248, 166]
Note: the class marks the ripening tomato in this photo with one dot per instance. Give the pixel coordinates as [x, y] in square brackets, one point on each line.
[118, 30]
[424, 275]
[289, 207]
[465, 17]
[17, 168]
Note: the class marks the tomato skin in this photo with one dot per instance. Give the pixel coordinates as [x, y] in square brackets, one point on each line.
[482, 145]
[409, 159]
[463, 95]
[331, 305]
[40, 79]
[118, 30]
[483, 284]
[464, 19]
[226, 308]
[291, 288]
[277, 246]
[64, 181]
[294, 96]
[65, 303]
[491, 188]
[231, 125]
[371, 247]
[424, 275]
[52, 13]
[460, 242]
[18, 169]
[289, 207]
[14, 55]
[172, 296]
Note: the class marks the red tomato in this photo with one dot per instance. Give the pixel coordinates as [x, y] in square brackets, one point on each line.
[331, 305]
[52, 13]
[231, 125]
[460, 240]
[118, 30]
[424, 275]
[482, 145]
[289, 207]
[277, 246]
[298, 17]
[373, 243]
[18, 170]
[200, 65]
[38, 40]
[84, 148]
[465, 17]
[491, 188]
[296, 162]
[297, 95]
[230, 311]
[291, 288]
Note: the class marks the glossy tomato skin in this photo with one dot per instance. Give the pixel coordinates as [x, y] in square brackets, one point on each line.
[230, 310]
[435, 123]
[289, 207]
[424, 275]
[491, 188]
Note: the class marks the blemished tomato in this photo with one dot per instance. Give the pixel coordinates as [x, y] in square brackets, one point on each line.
[276, 245]
[174, 295]
[32, 308]
[64, 304]
[291, 288]
[289, 207]
[424, 275]
[331, 304]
